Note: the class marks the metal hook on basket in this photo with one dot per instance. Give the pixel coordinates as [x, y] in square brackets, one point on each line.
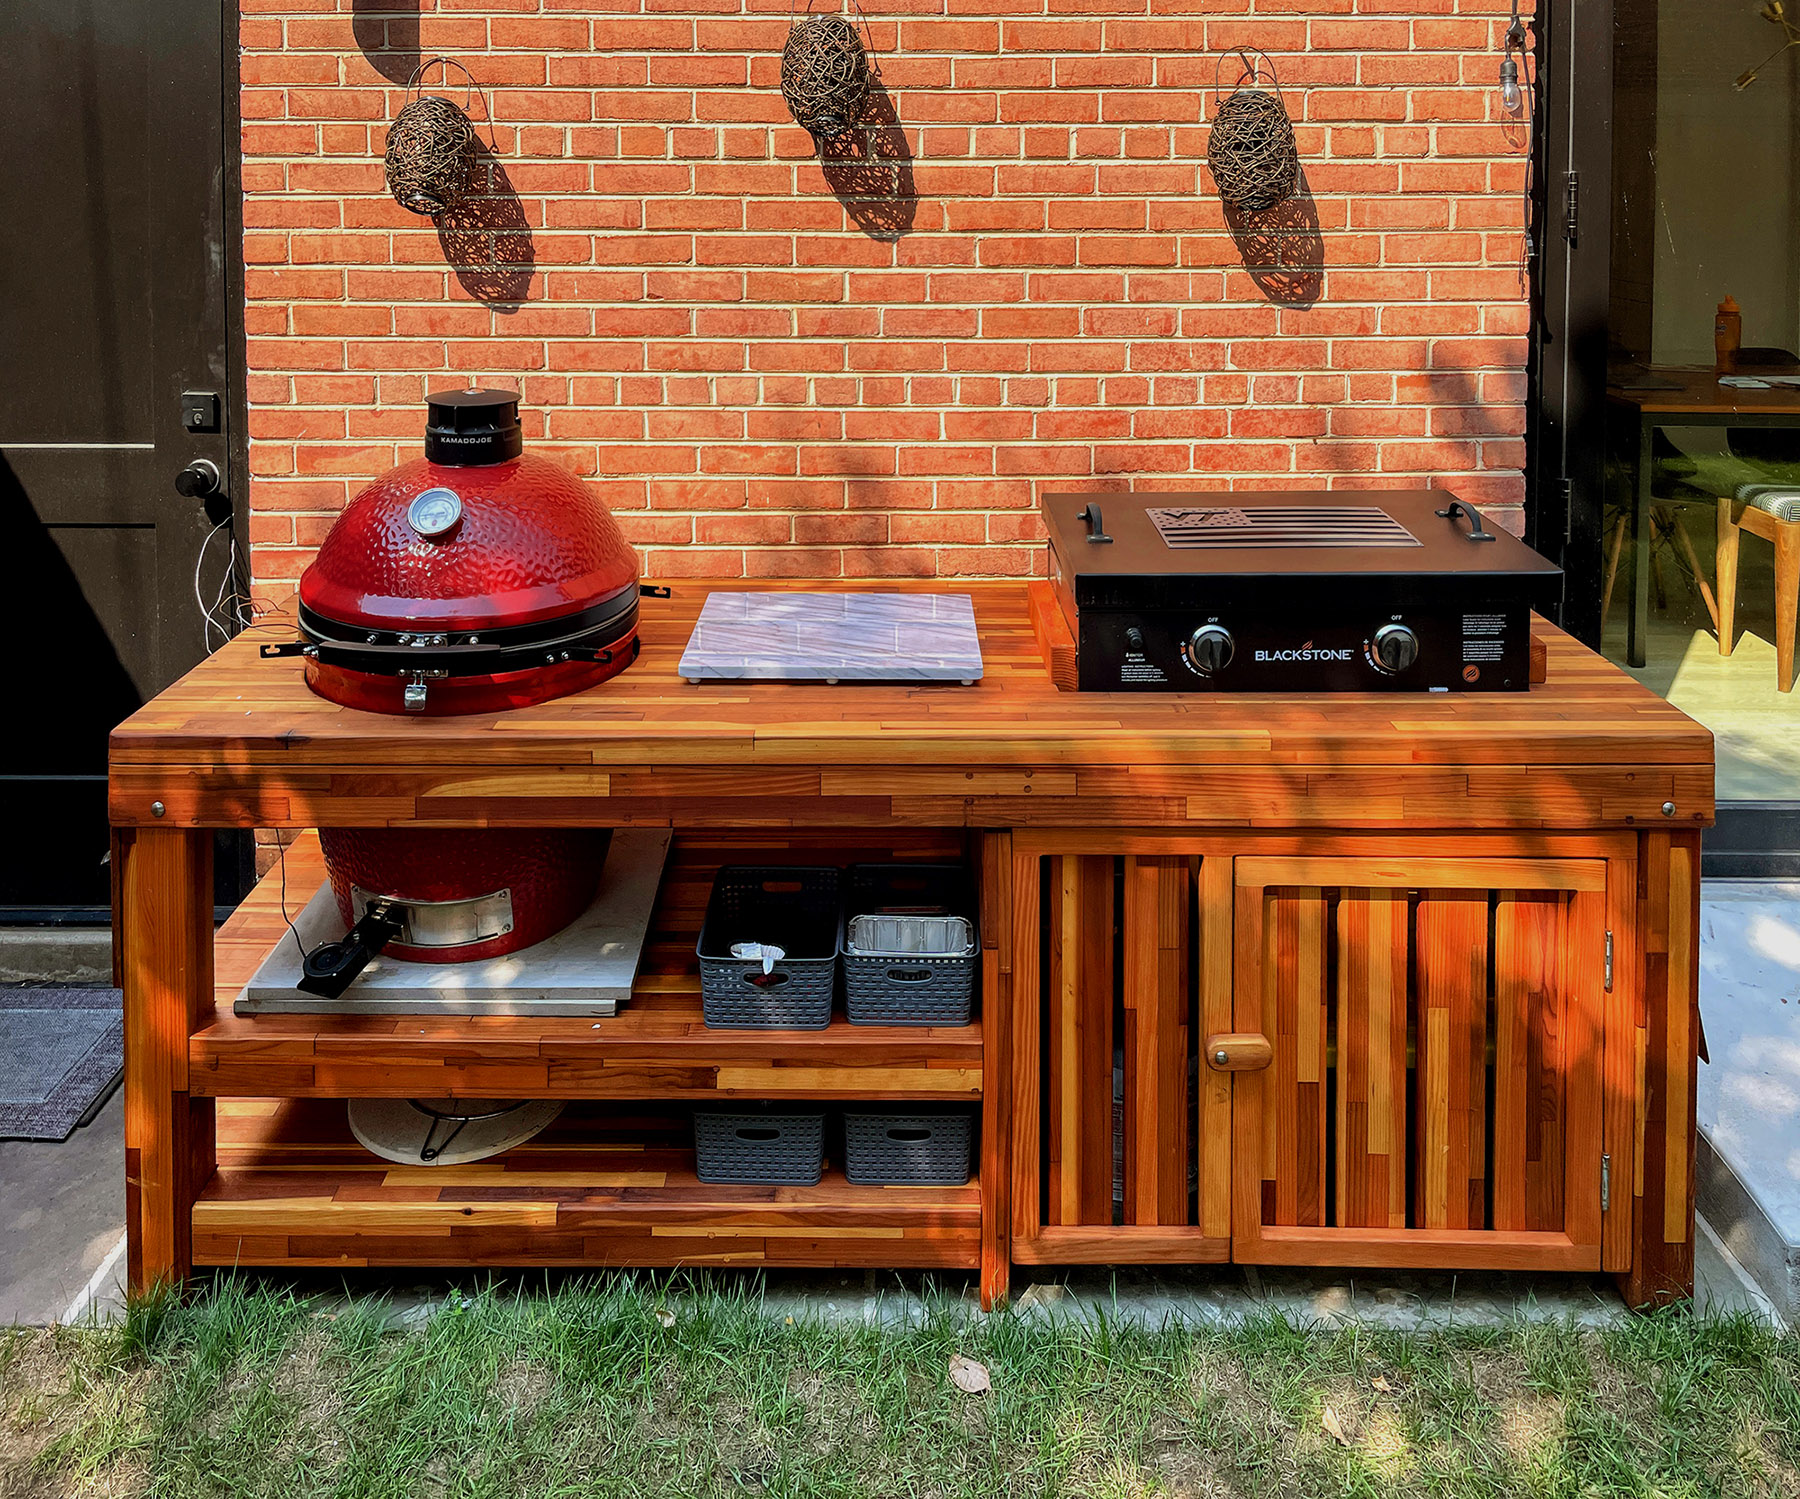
[1249, 57]
[472, 89]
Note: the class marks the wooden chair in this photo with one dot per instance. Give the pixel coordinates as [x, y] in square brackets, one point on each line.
[1772, 513]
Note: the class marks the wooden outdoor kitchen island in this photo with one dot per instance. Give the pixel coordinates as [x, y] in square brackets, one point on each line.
[1396, 980]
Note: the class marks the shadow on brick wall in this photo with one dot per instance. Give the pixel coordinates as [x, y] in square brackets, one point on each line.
[487, 239]
[1282, 248]
[870, 170]
[387, 31]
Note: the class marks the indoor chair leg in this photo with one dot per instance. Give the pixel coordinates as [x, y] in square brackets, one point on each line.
[1725, 570]
[1614, 549]
[1692, 558]
[1787, 602]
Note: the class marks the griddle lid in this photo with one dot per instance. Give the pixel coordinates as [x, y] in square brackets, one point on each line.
[465, 428]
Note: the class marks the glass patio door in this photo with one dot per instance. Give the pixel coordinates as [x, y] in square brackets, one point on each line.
[1700, 526]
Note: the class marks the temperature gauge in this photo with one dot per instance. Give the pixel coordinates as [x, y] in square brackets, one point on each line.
[434, 513]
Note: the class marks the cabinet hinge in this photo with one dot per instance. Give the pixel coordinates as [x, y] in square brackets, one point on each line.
[1609, 961]
[1572, 206]
[1605, 1183]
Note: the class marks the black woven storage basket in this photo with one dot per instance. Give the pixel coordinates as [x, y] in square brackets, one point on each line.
[793, 908]
[917, 989]
[765, 1147]
[923, 1148]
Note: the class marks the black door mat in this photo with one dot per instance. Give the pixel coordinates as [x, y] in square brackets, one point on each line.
[61, 1054]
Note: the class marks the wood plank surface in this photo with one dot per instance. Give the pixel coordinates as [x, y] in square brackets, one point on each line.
[658, 1046]
[1079, 984]
[1157, 1010]
[293, 1187]
[1372, 966]
[1295, 1017]
[1451, 931]
[241, 741]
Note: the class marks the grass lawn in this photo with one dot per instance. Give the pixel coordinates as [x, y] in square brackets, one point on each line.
[626, 1387]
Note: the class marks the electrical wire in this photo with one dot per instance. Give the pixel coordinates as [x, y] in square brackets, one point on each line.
[1515, 41]
[231, 608]
[281, 866]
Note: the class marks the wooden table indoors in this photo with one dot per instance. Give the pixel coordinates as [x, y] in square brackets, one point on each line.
[1382, 980]
[1660, 398]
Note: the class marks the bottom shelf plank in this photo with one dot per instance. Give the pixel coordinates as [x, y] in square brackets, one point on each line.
[599, 1188]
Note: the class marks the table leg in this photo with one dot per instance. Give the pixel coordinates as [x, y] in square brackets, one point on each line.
[1639, 625]
[1662, 1251]
[996, 1089]
[164, 938]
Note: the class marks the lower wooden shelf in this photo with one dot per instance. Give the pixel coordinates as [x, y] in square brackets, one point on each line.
[293, 1187]
[656, 1047]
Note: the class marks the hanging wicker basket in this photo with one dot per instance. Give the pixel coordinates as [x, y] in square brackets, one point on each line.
[431, 146]
[826, 74]
[1254, 159]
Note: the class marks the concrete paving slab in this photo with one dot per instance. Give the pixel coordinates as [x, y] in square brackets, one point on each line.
[1747, 1179]
[62, 1210]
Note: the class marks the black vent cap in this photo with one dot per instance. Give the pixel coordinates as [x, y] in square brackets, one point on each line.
[464, 428]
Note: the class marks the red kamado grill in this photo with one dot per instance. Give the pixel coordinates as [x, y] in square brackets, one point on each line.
[472, 580]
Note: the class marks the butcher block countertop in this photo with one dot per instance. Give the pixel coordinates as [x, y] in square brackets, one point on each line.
[241, 741]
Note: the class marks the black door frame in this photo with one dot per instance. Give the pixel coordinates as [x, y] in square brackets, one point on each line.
[1571, 288]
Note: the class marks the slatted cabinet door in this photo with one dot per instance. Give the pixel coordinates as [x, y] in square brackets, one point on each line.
[1433, 1093]
[1121, 1140]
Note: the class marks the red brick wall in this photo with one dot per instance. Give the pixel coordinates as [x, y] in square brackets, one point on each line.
[760, 387]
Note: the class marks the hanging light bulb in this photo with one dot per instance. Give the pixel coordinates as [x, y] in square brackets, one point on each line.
[1512, 47]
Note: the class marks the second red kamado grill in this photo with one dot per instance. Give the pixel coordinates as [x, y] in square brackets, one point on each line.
[472, 580]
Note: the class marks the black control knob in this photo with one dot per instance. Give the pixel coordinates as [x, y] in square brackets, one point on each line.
[1134, 639]
[199, 480]
[1210, 649]
[1394, 648]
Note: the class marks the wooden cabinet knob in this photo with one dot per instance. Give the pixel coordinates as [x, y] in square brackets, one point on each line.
[1239, 1051]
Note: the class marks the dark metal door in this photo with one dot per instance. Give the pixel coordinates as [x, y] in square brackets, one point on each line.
[1572, 165]
[114, 284]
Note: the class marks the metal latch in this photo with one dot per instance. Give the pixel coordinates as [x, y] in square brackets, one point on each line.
[1609, 962]
[1605, 1183]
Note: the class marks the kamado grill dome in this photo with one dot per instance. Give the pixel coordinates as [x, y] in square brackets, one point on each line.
[473, 579]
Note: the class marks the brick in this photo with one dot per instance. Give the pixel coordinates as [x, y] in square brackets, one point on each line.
[768, 378]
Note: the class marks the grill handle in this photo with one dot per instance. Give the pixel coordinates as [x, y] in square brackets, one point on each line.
[1090, 513]
[1477, 531]
[329, 968]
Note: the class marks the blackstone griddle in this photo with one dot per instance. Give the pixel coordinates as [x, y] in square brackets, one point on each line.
[1368, 591]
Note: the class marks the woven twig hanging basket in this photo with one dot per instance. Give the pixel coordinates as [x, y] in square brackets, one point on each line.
[431, 146]
[826, 74]
[1254, 159]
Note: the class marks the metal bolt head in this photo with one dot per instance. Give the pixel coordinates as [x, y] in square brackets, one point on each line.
[157, 809]
[1221, 1057]
[1668, 809]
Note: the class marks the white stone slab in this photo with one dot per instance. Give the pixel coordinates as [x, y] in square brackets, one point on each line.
[1748, 1098]
[585, 969]
[835, 637]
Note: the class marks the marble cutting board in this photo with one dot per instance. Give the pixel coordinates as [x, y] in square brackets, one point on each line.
[585, 969]
[835, 637]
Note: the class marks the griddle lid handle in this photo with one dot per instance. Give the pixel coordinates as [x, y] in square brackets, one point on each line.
[1090, 513]
[330, 968]
[1477, 531]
